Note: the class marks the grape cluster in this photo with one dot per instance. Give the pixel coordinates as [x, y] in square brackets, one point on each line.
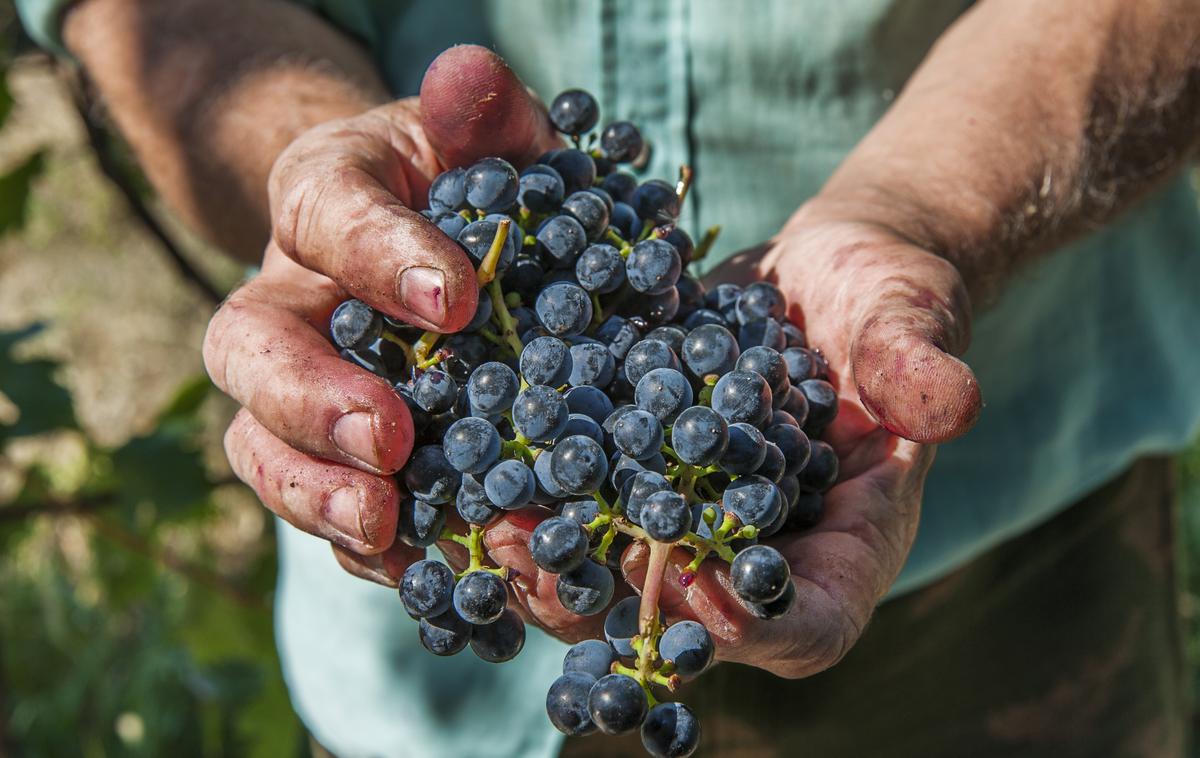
[601, 383]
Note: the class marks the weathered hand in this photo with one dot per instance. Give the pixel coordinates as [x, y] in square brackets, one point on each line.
[889, 318]
[318, 437]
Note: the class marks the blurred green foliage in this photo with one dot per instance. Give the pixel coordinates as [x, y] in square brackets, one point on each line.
[117, 634]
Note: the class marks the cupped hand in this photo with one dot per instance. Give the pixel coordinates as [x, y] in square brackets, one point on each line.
[318, 437]
[890, 319]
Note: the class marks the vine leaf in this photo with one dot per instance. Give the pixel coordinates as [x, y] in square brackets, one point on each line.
[42, 403]
[14, 191]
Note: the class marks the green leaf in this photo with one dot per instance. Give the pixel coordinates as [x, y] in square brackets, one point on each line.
[14, 192]
[43, 404]
[6, 99]
[166, 467]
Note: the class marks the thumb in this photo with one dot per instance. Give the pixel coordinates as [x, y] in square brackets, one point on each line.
[473, 106]
[905, 366]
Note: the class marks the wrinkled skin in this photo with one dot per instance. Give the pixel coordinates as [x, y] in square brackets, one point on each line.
[888, 316]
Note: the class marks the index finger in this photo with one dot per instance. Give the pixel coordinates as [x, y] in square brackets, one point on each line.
[341, 199]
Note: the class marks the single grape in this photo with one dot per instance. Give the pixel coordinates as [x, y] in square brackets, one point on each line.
[355, 325]
[710, 349]
[524, 278]
[426, 588]
[646, 356]
[471, 445]
[491, 185]
[480, 597]
[621, 142]
[702, 316]
[540, 189]
[578, 464]
[652, 267]
[500, 640]
[638, 434]
[699, 436]
[724, 298]
[664, 392]
[689, 645]
[574, 112]
[655, 201]
[592, 657]
[564, 309]
[492, 389]
[567, 703]
[576, 168]
[580, 511]
[794, 335]
[429, 476]
[477, 238]
[579, 423]
[654, 310]
[562, 239]
[590, 211]
[773, 464]
[545, 481]
[419, 523]
[638, 491]
[585, 590]
[600, 269]
[625, 220]
[801, 364]
[670, 730]
[450, 224]
[759, 574]
[700, 524]
[558, 544]
[821, 472]
[754, 500]
[447, 192]
[620, 185]
[770, 365]
[546, 360]
[446, 634]
[760, 300]
[540, 413]
[794, 445]
[619, 334]
[775, 608]
[822, 403]
[742, 397]
[473, 504]
[666, 516]
[671, 335]
[766, 332]
[435, 392]
[590, 401]
[617, 704]
[682, 242]
[605, 198]
[509, 485]
[591, 364]
[621, 626]
[796, 404]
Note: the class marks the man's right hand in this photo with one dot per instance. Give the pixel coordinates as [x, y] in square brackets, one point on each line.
[317, 437]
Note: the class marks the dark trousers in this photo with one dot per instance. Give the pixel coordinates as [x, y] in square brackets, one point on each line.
[1065, 641]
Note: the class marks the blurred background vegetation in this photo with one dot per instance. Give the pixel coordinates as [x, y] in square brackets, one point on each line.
[136, 575]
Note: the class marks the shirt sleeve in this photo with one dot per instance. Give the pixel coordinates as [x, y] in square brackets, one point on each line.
[42, 20]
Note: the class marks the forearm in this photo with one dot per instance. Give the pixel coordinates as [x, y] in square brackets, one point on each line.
[1027, 123]
[209, 92]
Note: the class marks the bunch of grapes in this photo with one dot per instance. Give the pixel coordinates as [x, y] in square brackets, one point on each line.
[600, 383]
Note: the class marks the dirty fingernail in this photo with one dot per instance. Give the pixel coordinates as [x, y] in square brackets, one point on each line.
[342, 511]
[423, 291]
[354, 435]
